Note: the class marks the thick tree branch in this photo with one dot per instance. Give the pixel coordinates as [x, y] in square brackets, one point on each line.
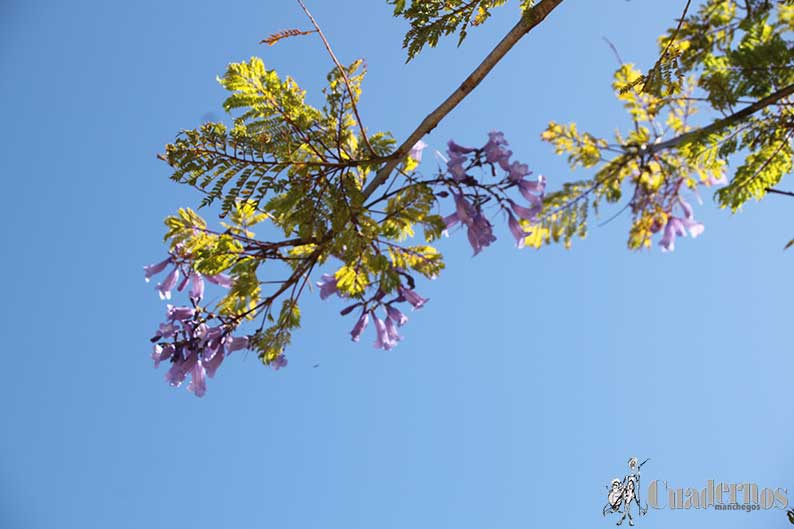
[531, 18]
[734, 118]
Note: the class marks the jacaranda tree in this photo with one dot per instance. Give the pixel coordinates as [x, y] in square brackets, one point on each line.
[358, 217]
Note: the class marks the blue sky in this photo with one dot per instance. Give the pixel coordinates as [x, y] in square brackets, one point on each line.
[519, 391]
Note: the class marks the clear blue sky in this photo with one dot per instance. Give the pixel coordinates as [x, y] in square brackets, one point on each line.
[520, 390]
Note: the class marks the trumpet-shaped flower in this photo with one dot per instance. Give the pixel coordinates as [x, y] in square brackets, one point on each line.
[154, 269]
[529, 214]
[494, 149]
[279, 362]
[165, 288]
[416, 151]
[517, 231]
[198, 380]
[416, 301]
[327, 286]
[161, 353]
[359, 327]
[179, 313]
[395, 315]
[384, 339]
[220, 279]
[196, 287]
[678, 227]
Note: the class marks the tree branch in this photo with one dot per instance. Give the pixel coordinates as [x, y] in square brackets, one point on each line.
[529, 20]
[343, 73]
[736, 117]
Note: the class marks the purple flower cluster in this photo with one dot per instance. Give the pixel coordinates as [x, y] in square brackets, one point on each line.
[185, 339]
[678, 226]
[469, 212]
[387, 335]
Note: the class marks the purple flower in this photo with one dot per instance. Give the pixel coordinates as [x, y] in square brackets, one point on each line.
[162, 353]
[196, 287]
[327, 286]
[451, 220]
[687, 208]
[181, 367]
[463, 209]
[220, 280]
[416, 301]
[279, 362]
[517, 171]
[183, 283]
[678, 227]
[198, 382]
[235, 343]
[529, 214]
[480, 233]
[166, 330]
[384, 339]
[168, 285]
[494, 150]
[212, 363]
[416, 151]
[154, 269]
[391, 330]
[518, 232]
[532, 191]
[359, 327]
[179, 313]
[455, 166]
[453, 147]
[398, 317]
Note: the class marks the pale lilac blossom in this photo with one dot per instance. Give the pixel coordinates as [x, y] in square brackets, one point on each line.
[529, 214]
[416, 151]
[198, 382]
[179, 313]
[235, 343]
[279, 362]
[165, 288]
[384, 339]
[398, 317]
[359, 327]
[327, 286]
[196, 287]
[220, 279]
[416, 301]
[154, 269]
[161, 353]
[677, 227]
[459, 149]
[391, 330]
[517, 231]
[212, 363]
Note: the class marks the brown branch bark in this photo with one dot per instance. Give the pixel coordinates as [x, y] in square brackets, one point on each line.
[734, 118]
[529, 20]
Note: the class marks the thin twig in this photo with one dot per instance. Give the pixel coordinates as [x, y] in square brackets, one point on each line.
[779, 192]
[614, 50]
[342, 72]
